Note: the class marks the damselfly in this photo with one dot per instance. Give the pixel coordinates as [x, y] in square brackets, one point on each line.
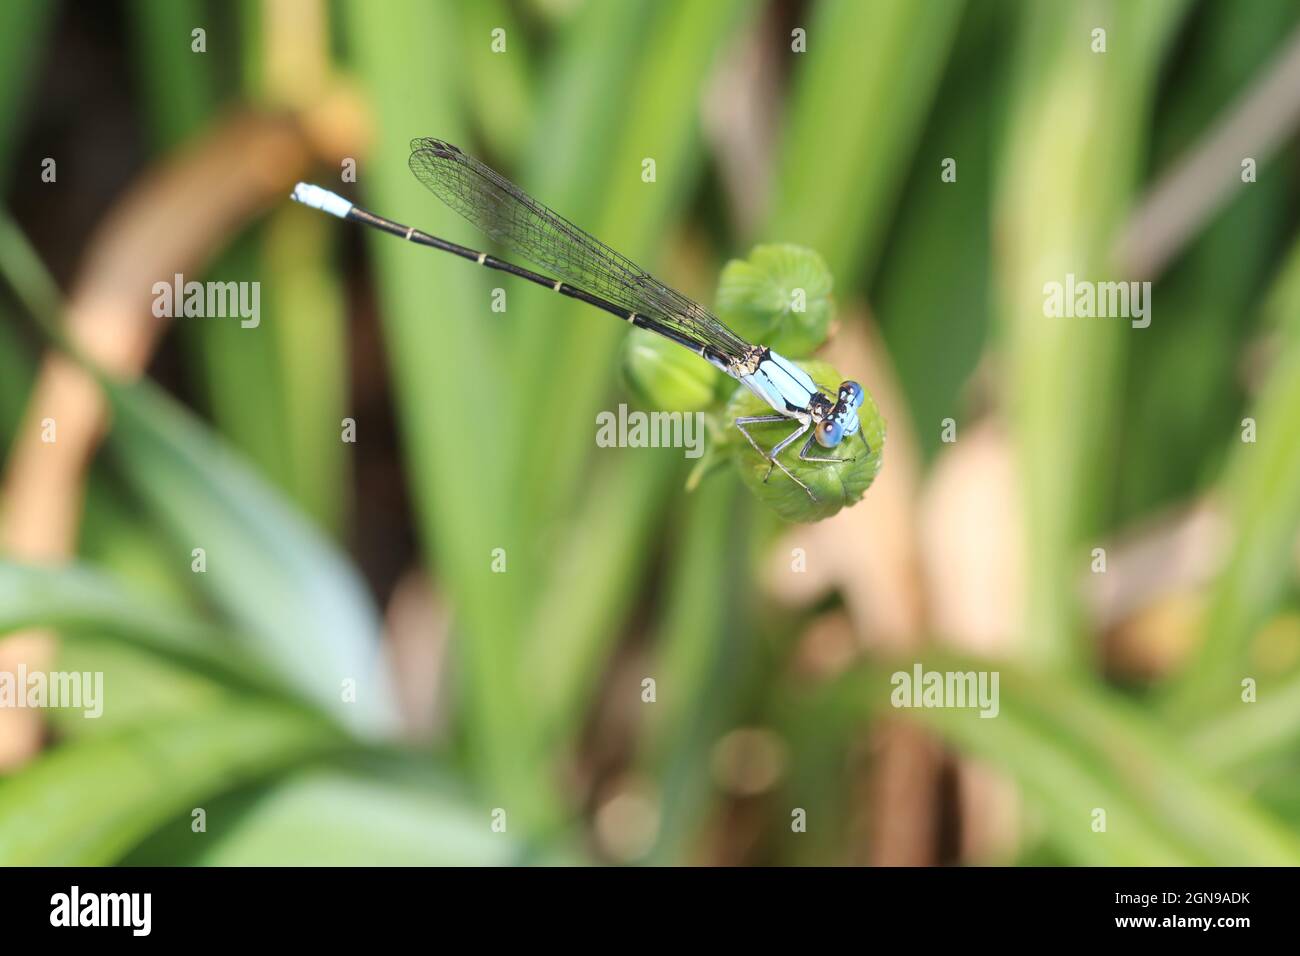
[586, 269]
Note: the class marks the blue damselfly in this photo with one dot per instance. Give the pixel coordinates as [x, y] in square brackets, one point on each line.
[584, 268]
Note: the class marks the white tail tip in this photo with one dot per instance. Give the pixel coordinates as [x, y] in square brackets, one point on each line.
[321, 199]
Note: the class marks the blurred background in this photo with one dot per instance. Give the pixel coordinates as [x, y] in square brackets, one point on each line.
[470, 635]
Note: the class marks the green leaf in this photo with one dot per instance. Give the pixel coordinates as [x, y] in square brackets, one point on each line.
[840, 170]
[937, 332]
[329, 817]
[87, 803]
[178, 91]
[499, 89]
[138, 686]
[597, 567]
[72, 596]
[779, 296]
[156, 657]
[1243, 734]
[1074, 140]
[17, 370]
[463, 512]
[837, 485]
[24, 25]
[1262, 490]
[704, 651]
[79, 598]
[304, 609]
[1077, 748]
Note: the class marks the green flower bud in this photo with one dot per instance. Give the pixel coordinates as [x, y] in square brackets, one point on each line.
[779, 297]
[663, 375]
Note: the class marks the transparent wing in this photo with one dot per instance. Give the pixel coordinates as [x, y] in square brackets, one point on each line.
[524, 226]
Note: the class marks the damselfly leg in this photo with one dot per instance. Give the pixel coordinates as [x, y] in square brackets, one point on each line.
[804, 456]
[780, 446]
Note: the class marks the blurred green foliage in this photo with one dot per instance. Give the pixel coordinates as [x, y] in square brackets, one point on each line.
[224, 687]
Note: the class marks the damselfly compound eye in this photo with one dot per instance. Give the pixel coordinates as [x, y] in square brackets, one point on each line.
[850, 395]
[829, 433]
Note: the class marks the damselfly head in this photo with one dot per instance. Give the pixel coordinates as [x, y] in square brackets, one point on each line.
[845, 412]
[850, 396]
